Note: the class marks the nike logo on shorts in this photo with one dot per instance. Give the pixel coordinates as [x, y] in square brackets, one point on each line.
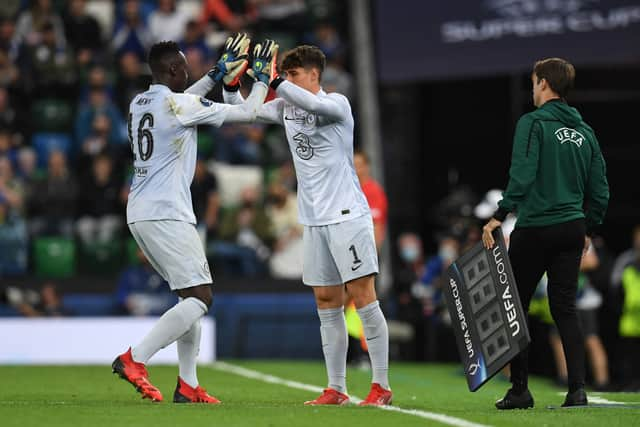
[355, 267]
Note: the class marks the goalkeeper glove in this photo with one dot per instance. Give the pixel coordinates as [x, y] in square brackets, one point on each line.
[233, 61]
[265, 56]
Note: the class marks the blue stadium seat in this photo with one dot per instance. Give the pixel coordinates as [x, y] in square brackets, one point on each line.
[45, 143]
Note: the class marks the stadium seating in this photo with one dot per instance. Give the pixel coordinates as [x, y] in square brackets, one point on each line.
[51, 115]
[233, 179]
[104, 258]
[54, 257]
[45, 143]
[132, 249]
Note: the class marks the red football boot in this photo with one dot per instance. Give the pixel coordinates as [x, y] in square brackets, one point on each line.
[186, 394]
[377, 396]
[329, 396]
[136, 374]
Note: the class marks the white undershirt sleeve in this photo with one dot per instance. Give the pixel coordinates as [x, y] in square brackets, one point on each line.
[192, 110]
[202, 87]
[248, 110]
[269, 112]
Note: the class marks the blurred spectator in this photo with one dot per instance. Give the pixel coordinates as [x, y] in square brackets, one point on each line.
[239, 143]
[448, 252]
[45, 303]
[626, 258]
[11, 118]
[588, 302]
[10, 8]
[99, 103]
[11, 191]
[7, 148]
[375, 195]
[167, 22]
[206, 201]
[13, 230]
[283, 16]
[327, 38]
[100, 210]
[132, 34]
[629, 325]
[83, 32]
[406, 277]
[33, 21]
[245, 233]
[9, 73]
[53, 200]
[282, 210]
[130, 81]
[28, 172]
[96, 142]
[143, 292]
[285, 174]
[28, 166]
[51, 65]
[198, 65]
[231, 16]
[194, 40]
[336, 79]
[8, 44]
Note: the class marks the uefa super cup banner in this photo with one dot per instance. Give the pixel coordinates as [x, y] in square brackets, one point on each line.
[463, 38]
[486, 313]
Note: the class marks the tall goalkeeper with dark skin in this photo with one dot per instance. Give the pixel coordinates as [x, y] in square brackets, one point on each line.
[559, 191]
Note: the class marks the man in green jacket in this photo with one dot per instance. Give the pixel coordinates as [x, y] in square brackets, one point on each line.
[556, 169]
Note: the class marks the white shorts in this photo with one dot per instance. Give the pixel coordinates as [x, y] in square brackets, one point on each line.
[175, 250]
[338, 253]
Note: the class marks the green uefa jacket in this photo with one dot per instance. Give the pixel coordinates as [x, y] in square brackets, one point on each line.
[557, 170]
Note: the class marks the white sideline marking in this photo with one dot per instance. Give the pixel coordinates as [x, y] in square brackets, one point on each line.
[600, 400]
[249, 373]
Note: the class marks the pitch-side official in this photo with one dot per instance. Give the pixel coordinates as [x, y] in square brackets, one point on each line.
[556, 169]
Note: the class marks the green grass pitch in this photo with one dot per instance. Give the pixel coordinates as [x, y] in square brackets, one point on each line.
[91, 396]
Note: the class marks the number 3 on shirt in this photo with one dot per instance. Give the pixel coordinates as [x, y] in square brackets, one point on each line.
[144, 133]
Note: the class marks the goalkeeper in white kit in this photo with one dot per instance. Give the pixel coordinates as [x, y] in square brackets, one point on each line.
[339, 245]
[163, 133]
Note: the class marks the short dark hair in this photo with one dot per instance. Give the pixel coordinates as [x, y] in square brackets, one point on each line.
[558, 73]
[304, 56]
[159, 52]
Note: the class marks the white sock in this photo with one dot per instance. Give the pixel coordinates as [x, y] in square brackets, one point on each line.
[333, 330]
[174, 323]
[377, 335]
[188, 348]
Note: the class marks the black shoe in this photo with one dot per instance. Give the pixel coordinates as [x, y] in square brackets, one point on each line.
[513, 400]
[577, 398]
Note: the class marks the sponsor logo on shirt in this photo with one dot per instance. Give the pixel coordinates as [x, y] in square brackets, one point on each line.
[301, 118]
[303, 146]
[141, 172]
[206, 102]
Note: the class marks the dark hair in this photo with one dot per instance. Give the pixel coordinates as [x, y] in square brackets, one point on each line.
[159, 52]
[304, 56]
[558, 73]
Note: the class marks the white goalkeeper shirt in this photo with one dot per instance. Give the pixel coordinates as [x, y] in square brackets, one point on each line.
[163, 135]
[319, 130]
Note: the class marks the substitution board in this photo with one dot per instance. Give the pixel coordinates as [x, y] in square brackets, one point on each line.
[486, 314]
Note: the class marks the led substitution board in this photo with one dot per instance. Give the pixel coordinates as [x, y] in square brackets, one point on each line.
[485, 309]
